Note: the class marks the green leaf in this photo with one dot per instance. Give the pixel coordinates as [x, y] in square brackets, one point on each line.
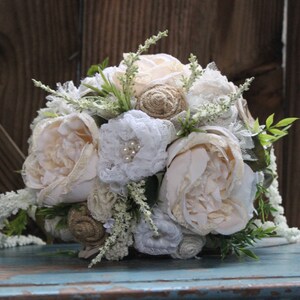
[266, 137]
[256, 127]
[261, 154]
[277, 131]
[285, 122]
[49, 114]
[95, 68]
[17, 225]
[249, 253]
[269, 121]
[96, 90]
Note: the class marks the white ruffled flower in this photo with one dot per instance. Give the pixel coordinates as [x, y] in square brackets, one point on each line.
[133, 146]
[212, 87]
[189, 247]
[207, 186]
[209, 88]
[166, 243]
[62, 233]
[100, 202]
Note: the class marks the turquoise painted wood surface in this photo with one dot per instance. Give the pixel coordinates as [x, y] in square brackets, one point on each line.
[41, 272]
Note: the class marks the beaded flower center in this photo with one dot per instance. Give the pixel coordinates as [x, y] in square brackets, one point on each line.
[130, 149]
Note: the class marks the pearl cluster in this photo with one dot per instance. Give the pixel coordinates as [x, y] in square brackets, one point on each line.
[130, 149]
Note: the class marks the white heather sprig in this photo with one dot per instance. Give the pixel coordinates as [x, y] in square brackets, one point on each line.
[211, 111]
[127, 80]
[20, 240]
[95, 105]
[123, 220]
[11, 202]
[196, 72]
[136, 191]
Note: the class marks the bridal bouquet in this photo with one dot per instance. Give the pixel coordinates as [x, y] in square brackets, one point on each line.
[151, 155]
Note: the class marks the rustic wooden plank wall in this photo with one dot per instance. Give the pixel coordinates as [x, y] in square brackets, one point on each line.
[38, 39]
[57, 40]
[291, 160]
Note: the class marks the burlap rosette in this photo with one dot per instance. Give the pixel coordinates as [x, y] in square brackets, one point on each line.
[162, 101]
[86, 230]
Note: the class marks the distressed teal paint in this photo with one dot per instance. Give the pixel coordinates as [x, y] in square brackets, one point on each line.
[34, 271]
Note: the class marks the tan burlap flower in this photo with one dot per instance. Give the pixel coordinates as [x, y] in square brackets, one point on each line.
[162, 101]
[86, 230]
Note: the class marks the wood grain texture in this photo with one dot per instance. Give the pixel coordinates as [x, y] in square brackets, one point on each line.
[46, 272]
[38, 39]
[292, 108]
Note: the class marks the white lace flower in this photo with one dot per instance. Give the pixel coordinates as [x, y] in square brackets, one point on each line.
[189, 247]
[168, 240]
[133, 146]
[62, 233]
[100, 201]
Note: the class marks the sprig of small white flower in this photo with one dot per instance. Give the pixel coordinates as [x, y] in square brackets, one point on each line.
[11, 202]
[196, 72]
[123, 221]
[95, 105]
[136, 191]
[210, 111]
[127, 80]
[275, 199]
[21, 240]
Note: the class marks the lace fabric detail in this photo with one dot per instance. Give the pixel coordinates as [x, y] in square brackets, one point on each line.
[150, 135]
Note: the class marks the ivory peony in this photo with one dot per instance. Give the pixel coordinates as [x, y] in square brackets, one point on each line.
[62, 159]
[207, 186]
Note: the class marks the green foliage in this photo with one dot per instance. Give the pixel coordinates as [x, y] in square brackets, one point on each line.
[239, 242]
[273, 132]
[61, 210]
[17, 225]
[261, 154]
[264, 208]
[188, 125]
[196, 72]
[95, 68]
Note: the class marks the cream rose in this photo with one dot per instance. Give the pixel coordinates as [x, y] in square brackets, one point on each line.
[207, 186]
[62, 161]
[155, 69]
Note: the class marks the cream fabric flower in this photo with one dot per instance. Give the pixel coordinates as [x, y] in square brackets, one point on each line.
[162, 101]
[62, 161]
[189, 247]
[100, 201]
[155, 69]
[207, 186]
[133, 146]
[166, 243]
